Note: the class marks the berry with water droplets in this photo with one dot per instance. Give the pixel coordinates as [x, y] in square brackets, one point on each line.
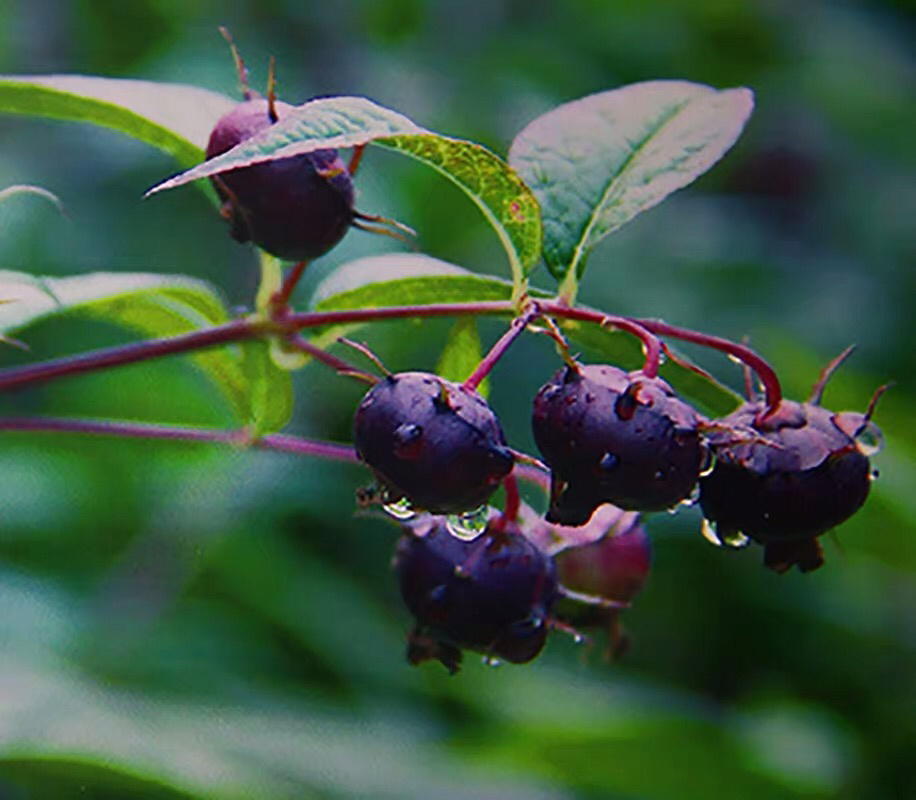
[431, 441]
[295, 208]
[613, 437]
[785, 479]
[491, 594]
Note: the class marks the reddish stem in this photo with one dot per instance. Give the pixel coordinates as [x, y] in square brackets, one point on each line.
[651, 344]
[236, 331]
[277, 442]
[767, 375]
[498, 350]
[280, 300]
[512, 506]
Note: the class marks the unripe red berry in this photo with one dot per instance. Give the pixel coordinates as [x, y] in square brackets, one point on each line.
[492, 594]
[431, 441]
[295, 208]
[613, 437]
[786, 479]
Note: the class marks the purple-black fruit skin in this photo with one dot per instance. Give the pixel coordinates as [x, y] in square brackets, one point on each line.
[431, 441]
[492, 594]
[610, 437]
[794, 481]
[284, 206]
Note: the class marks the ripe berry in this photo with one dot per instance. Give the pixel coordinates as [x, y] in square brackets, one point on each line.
[613, 437]
[492, 594]
[786, 479]
[431, 441]
[296, 208]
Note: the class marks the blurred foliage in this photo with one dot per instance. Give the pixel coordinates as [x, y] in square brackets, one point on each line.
[186, 621]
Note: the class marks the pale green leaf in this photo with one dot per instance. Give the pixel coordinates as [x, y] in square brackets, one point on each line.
[462, 354]
[597, 162]
[172, 117]
[152, 304]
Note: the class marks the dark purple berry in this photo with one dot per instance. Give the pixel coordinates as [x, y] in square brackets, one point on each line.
[613, 437]
[492, 594]
[431, 441]
[787, 479]
[296, 208]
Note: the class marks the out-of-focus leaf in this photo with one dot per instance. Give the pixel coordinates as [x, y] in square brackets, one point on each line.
[148, 746]
[173, 117]
[490, 182]
[597, 162]
[462, 353]
[152, 304]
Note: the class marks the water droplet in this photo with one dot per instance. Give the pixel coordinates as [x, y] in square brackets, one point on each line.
[707, 461]
[469, 525]
[609, 462]
[437, 594]
[400, 509]
[874, 475]
[578, 638]
[408, 440]
[710, 534]
[734, 359]
[735, 539]
[869, 441]
[490, 661]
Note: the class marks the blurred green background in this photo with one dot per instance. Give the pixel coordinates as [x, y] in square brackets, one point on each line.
[179, 621]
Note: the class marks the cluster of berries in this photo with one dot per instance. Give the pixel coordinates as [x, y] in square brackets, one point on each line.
[614, 443]
[617, 444]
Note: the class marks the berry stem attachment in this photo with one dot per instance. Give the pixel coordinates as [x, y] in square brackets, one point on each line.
[651, 345]
[280, 300]
[766, 373]
[334, 362]
[355, 158]
[513, 503]
[498, 350]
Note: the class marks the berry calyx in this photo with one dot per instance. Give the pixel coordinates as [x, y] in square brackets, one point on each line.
[491, 594]
[613, 437]
[432, 441]
[295, 208]
[786, 478]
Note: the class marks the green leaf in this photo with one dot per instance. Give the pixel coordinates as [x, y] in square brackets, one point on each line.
[154, 305]
[462, 354]
[172, 117]
[270, 389]
[597, 162]
[501, 195]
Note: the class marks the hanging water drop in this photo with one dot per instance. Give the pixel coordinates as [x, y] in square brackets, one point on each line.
[869, 440]
[400, 509]
[469, 525]
[710, 534]
[707, 461]
[736, 540]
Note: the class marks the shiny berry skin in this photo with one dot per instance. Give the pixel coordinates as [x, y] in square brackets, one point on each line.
[786, 480]
[492, 594]
[613, 437]
[431, 441]
[295, 208]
